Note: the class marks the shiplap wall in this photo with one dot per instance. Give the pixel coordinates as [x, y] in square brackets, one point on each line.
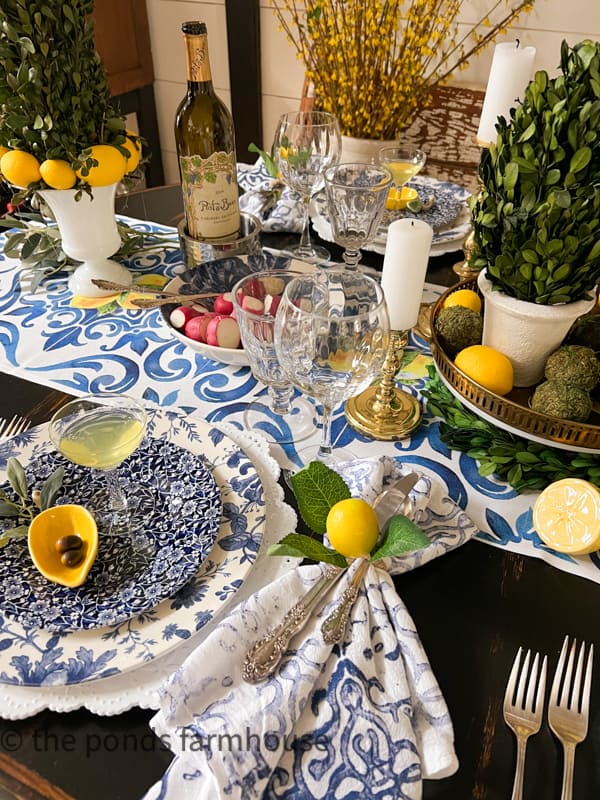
[544, 28]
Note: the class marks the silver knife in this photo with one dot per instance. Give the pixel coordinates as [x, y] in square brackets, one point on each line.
[392, 500]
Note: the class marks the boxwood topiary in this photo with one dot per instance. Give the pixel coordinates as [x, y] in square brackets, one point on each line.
[537, 219]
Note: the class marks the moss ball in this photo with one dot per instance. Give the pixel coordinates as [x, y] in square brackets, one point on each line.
[458, 327]
[574, 364]
[562, 400]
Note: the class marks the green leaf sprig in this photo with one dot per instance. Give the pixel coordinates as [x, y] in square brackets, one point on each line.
[317, 489]
[525, 465]
[25, 507]
[268, 159]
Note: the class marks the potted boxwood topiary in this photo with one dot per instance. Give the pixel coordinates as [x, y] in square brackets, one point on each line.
[59, 133]
[536, 220]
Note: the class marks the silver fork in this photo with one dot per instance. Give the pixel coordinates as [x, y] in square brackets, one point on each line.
[16, 426]
[568, 715]
[523, 712]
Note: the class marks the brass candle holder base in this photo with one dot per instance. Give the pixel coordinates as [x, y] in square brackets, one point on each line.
[463, 268]
[383, 411]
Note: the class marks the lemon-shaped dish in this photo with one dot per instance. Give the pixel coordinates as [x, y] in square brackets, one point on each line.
[566, 516]
[47, 540]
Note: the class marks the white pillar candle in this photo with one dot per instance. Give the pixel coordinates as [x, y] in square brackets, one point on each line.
[404, 266]
[511, 71]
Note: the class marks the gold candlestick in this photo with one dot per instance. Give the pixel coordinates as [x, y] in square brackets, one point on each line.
[384, 411]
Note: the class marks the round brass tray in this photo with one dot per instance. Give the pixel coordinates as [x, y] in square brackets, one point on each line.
[511, 412]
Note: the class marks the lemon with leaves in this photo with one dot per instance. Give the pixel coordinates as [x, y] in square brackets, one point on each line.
[57, 173]
[352, 527]
[20, 168]
[110, 166]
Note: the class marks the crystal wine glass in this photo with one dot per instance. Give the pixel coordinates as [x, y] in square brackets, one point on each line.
[101, 431]
[331, 338]
[306, 143]
[255, 300]
[356, 195]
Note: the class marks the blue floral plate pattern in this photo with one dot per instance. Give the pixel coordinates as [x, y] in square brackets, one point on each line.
[175, 517]
[449, 216]
[34, 656]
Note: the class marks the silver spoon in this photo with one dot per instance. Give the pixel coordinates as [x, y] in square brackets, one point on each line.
[265, 654]
[166, 297]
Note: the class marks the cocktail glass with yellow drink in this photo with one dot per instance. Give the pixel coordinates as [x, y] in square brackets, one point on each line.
[404, 163]
[101, 431]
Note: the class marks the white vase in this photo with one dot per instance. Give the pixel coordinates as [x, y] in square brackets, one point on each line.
[526, 332]
[89, 234]
[362, 151]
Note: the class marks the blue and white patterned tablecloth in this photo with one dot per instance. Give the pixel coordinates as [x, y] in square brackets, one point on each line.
[44, 339]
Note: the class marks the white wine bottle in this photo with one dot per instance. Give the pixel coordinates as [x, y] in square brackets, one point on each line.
[205, 143]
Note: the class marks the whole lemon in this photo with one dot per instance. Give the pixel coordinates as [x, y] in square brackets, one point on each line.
[488, 367]
[20, 168]
[110, 169]
[352, 527]
[133, 145]
[57, 173]
[464, 297]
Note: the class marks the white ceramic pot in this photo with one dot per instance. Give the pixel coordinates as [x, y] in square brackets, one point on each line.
[89, 234]
[526, 332]
[362, 151]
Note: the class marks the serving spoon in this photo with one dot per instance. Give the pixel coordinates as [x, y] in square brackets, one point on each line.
[141, 302]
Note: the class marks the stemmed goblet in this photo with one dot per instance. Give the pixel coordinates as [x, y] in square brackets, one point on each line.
[255, 300]
[331, 338]
[101, 431]
[306, 143]
[403, 162]
[356, 195]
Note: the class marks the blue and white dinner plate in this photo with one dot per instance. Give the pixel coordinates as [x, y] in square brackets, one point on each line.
[449, 216]
[34, 656]
[175, 517]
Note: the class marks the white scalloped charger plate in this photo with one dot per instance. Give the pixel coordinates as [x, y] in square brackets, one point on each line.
[34, 657]
[446, 239]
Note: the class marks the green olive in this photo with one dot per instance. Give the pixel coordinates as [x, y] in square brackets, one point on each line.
[70, 542]
[70, 558]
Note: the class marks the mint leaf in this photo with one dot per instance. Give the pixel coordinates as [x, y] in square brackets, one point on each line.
[401, 535]
[317, 488]
[299, 545]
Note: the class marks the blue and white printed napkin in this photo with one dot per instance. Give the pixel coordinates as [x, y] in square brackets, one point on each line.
[364, 717]
[286, 216]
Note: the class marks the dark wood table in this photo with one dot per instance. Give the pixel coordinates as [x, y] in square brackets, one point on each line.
[473, 608]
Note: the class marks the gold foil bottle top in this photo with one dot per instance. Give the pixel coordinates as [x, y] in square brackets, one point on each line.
[196, 51]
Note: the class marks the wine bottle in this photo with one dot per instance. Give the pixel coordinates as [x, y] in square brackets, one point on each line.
[205, 143]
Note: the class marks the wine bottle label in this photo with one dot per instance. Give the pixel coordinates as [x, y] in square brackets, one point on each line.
[210, 195]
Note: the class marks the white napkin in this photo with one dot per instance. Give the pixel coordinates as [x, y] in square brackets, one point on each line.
[362, 717]
[286, 216]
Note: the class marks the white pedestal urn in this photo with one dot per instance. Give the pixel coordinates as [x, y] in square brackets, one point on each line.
[89, 234]
[526, 332]
[362, 151]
